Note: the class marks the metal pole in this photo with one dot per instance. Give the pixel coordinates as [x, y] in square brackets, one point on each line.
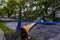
[17, 34]
[19, 20]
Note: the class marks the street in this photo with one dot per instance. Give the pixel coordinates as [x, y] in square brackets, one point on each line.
[13, 25]
[40, 32]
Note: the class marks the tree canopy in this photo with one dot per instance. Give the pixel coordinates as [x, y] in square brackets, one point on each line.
[31, 9]
[38, 8]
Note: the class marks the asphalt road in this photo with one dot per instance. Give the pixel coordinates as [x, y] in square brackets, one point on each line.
[13, 25]
[40, 32]
[45, 32]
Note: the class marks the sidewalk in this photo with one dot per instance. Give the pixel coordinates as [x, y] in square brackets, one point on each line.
[2, 35]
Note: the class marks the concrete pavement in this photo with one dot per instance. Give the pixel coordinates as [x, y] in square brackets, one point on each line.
[2, 37]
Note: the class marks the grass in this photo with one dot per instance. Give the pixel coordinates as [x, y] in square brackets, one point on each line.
[5, 28]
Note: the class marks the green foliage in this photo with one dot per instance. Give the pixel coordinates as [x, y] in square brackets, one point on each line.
[46, 3]
[2, 11]
[11, 7]
[30, 14]
[5, 28]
